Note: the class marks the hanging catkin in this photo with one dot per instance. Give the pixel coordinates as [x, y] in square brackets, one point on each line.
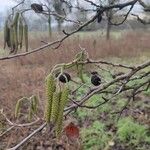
[25, 29]
[15, 28]
[55, 106]
[20, 34]
[6, 35]
[50, 89]
[62, 104]
[80, 56]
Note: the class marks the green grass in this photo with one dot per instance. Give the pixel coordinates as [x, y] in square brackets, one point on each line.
[95, 137]
[132, 133]
[97, 124]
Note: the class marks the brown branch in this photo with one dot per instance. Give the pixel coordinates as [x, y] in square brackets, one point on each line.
[99, 90]
[13, 8]
[5, 132]
[50, 44]
[19, 125]
[92, 3]
[141, 2]
[94, 91]
[125, 18]
[141, 20]
[101, 10]
[90, 61]
[28, 137]
[61, 17]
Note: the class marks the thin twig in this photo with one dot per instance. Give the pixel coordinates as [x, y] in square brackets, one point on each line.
[101, 11]
[28, 137]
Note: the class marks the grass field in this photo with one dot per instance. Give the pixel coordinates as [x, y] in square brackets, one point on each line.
[99, 128]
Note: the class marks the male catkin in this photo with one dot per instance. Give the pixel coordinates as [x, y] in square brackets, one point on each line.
[15, 28]
[25, 29]
[34, 103]
[80, 56]
[12, 39]
[55, 106]
[15, 21]
[20, 35]
[50, 89]
[6, 35]
[17, 108]
[62, 104]
[30, 113]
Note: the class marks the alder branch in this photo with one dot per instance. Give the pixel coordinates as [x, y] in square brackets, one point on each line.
[90, 61]
[18, 125]
[92, 3]
[125, 18]
[141, 20]
[13, 8]
[62, 17]
[5, 132]
[143, 4]
[101, 10]
[99, 90]
[28, 137]
[103, 87]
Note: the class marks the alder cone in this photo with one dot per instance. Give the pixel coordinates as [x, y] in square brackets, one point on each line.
[95, 79]
[64, 77]
[37, 7]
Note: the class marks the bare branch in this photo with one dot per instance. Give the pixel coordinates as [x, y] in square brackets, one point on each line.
[28, 137]
[98, 90]
[100, 11]
[92, 3]
[19, 125]
[141, 20]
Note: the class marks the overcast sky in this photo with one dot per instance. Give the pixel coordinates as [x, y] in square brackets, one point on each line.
[7, 4]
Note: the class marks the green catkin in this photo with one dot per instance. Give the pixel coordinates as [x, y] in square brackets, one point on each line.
[15, 39]
[33, 107]
[50, 89]
[30, 114]
[12, 39]
[15, 21]
[20, 34]
[62, 104]
[55, 106]
[80, 56]
[25, 32]
[6, 35]
[17, 108]
[34, 103]
[15, 28]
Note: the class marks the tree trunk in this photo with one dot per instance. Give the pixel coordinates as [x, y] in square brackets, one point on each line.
[59, 25]
[49, 27]
[108, 28]
[109, 17]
